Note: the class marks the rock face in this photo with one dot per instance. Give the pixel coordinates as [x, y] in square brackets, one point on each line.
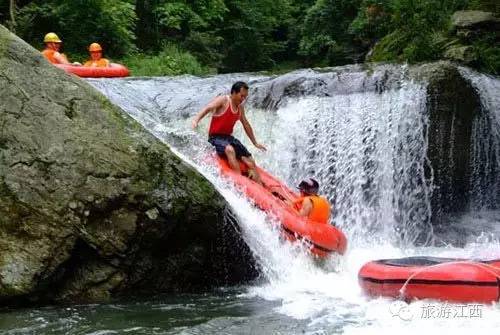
[452, 105]
[91, 204]
[471, 32]
[473, 19]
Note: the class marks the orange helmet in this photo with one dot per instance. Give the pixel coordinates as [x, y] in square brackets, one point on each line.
[95, 47]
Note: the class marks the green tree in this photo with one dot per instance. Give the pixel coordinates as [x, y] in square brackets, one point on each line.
[372, 22]
[8, 13]
[80, 22]
[290, 30]
[251, 33]
[486, 5]
[4, 9]
[193, 26]
[417, 30]
[325, 36]
[148, 25]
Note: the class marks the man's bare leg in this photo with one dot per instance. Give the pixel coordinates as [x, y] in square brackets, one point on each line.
[231, 158]
[252, 169]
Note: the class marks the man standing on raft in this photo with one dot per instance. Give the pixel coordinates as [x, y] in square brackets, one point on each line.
[227, 110]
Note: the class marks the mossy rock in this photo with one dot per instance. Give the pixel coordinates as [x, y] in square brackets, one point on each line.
[82, 183]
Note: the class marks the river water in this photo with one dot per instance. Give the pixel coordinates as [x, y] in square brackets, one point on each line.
[368, 150]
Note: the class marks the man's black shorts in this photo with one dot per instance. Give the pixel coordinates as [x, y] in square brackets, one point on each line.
[221, 141]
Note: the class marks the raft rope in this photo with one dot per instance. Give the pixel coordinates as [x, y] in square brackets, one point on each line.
[485, 266]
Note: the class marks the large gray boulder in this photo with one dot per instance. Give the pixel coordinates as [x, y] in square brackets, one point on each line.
[91, 204]
[472, 38]
[464, 54]
[473, 19]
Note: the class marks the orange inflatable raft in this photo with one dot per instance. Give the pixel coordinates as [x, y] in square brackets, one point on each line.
[114, 70]
[448, 279]
[323, 239]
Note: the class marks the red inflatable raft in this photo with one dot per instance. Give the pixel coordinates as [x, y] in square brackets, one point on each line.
[114, 70]
[454, 280]
[322, 238]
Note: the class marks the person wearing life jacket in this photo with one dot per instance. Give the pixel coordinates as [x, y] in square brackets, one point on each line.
[51, 51]
[227, 110]
[96, 59]
[310, 204]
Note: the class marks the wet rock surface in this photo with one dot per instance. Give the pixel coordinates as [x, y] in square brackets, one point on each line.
[91, 204]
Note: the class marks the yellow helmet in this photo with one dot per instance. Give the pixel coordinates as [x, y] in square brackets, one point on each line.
[95, 47]
[51, 37]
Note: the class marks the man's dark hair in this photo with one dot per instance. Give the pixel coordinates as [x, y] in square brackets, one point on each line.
[237, 86]
[309, 186]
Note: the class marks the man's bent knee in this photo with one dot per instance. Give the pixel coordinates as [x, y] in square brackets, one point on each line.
[229, 150]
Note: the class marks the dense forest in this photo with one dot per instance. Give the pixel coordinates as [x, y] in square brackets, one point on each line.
[155, 37]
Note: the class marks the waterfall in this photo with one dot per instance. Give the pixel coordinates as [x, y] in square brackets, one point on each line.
[365, 144]
[485, 181]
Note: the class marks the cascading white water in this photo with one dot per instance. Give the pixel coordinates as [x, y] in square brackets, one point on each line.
[367, 149]
[485, 160]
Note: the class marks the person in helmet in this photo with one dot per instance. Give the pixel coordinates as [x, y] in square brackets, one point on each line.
[310, 204]
[96, 59]
[51, 51]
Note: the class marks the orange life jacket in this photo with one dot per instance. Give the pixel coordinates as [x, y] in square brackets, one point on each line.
[103, 62]
[51, 55]
[320, 211]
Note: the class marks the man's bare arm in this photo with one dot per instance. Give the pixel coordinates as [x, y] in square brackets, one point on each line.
[248, 130]
[61, 58]
[307, 207]
[212, 106]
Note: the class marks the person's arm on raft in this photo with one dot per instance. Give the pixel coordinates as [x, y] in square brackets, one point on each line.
[249, 130]
[306, 208]
[303, 207]
[60, 58]
[212, 106]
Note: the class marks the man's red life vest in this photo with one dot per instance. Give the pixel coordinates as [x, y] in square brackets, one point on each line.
[223, 124]
[320, 211]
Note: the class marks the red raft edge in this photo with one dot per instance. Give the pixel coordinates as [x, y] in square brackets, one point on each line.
[453, 280]
[112, 71]
[322, 239]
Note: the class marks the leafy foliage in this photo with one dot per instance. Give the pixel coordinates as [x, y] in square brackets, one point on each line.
[249, 33]
[486, 5]
[81, 22]
[240, 35]
[169, 61]
[325, 34]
